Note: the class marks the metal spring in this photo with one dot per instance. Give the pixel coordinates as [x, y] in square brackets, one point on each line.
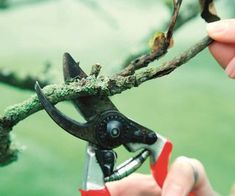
[128, 167]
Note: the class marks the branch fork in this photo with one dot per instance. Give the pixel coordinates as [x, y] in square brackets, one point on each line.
[98, 85]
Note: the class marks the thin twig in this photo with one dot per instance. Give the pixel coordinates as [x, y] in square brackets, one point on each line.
[169, 66]
[160, 49]
[192, 11]
[173, 20]
[27, 82]
[95, 69]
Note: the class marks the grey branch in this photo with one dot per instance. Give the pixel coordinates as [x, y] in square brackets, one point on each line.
[102, 85]
[27, 82]
[160, 46]
[7, 4]
[189, 12]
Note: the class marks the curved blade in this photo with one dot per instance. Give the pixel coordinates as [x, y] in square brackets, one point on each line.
[82, 131]
[88, 106]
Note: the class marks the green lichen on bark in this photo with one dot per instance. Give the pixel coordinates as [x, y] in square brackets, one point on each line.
[7, 153]
[102, 85]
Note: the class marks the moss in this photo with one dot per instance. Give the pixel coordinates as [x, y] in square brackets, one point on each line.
[7, 157]
[7, 154]
[102, 85]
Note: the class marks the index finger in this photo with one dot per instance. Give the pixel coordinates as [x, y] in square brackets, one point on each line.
[222, 31]
[222, 52]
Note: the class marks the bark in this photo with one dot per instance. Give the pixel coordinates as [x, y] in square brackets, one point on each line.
[102, 85]
[10, 77]
[99, 86]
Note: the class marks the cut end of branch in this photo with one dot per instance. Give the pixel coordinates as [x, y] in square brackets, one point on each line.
[7, 154]
[95, 70]
[8, 157]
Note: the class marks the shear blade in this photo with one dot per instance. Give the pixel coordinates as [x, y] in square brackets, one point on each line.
[83, 131]
[88, 106]
[72, 69]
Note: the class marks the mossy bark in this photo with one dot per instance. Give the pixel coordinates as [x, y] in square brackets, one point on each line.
[86, 87]
[7, 153]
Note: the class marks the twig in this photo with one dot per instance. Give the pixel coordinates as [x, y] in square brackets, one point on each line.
[95, 69]
[169, 66]
[173, 19]
[182, 19]
[160, 47]
[6, 4]
[27, 82]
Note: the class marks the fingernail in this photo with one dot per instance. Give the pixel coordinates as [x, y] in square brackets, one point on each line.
[174, 190]
[230, 69]
[217, 27]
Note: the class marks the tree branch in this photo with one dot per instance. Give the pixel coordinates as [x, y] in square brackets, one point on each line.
[142, 59]
[6, 4]
[27, 82]
[160, 45]
[190, 11]
[102, 85]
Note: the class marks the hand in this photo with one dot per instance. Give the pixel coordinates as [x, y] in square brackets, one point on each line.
[185, 175]
[134, 185]
[223, 49]
[233, 190]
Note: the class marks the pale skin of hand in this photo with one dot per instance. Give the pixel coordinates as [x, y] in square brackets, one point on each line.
[223, 49]
[180, 179]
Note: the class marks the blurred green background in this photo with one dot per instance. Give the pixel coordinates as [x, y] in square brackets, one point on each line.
[193, 106]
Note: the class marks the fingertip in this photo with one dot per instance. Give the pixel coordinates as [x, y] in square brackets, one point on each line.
[230, 69]
[216, 29]
[222, 30]
[186, 175]
[222, 52]
[179, 179]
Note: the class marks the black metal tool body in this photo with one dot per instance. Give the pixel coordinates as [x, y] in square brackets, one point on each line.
[105, 129]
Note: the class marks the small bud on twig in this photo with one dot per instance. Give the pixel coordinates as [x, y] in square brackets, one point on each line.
[95, 69]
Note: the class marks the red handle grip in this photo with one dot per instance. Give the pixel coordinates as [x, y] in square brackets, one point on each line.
[160, 167]
[101, 192]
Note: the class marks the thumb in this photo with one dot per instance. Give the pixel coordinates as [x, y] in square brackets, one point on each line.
[222, 31]
[233, 190]
[187, 175]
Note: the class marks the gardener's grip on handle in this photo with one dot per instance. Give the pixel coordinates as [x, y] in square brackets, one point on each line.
[160, 167]
[159, 171]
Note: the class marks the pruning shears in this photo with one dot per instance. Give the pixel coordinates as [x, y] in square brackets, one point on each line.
[106, 128]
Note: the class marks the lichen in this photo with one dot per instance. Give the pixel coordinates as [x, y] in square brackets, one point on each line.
[102, 85]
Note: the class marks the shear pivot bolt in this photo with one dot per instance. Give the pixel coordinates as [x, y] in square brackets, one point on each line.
[114, 128]
[115, 132]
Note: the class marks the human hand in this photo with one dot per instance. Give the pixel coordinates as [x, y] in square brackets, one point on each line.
[185, 175]
[134, 185]
[233, 190]
[223, 49]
